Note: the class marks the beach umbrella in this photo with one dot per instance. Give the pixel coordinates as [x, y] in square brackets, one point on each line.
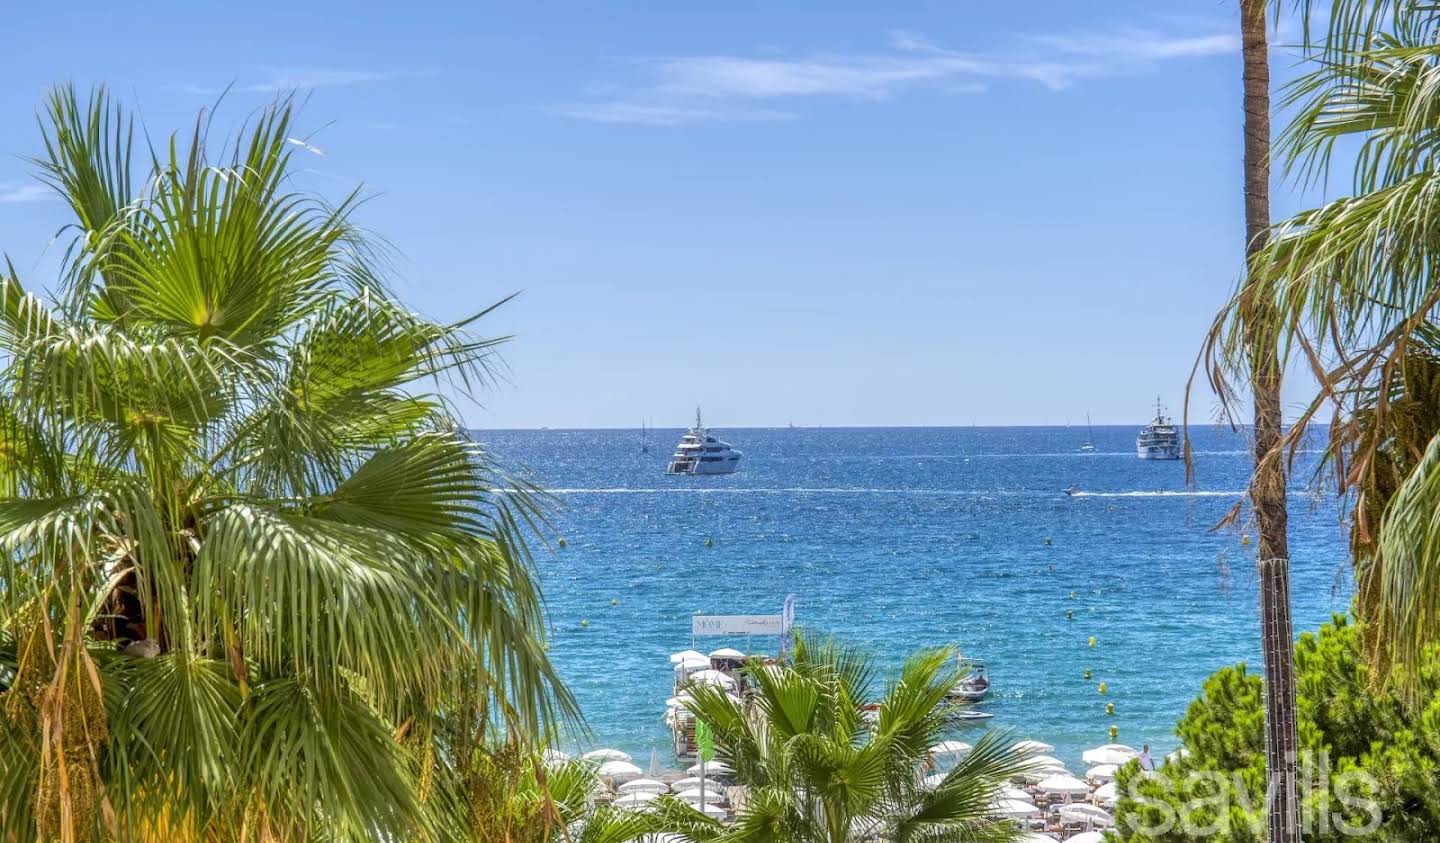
[693, 795]
[1034, 837]
[603, 755]
[643, 786]
[619, 771]
[1064, 785]
[1040, 774]
[685, 656]
[1120, 747]
[1012, 792]
[634, 800]
[1106, 795]
[1089, 814]
[711, 811]
[1101, 773]
[1108, 755]
[1031, 747]
[713, 677]
[1087, 837]
[932, 781]
[1013, 809]
[714, 768]
[727, 653]
[692, 782]
[692, 665]
[1050, 761]
[950, 748]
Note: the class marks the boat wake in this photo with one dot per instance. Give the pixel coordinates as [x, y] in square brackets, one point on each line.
[1157, 494]
[847, 490]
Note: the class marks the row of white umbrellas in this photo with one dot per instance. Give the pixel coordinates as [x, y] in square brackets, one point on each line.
[691, 655]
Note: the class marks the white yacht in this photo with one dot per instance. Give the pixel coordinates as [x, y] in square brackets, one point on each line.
[1158, 440]
[700, 452]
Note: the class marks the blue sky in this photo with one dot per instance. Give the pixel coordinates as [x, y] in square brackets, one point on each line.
[840, 213]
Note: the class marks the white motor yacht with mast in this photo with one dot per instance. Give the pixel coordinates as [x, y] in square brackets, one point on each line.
[1159, 440]
[699, 452]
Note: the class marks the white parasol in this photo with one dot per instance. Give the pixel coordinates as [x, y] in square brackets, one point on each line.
[634, 800]
[1106, 795]
[1082, 813]
[1101, 773]
[1013, 809]
[619, 771]
[712, 795]
[1031, 747]
[1064, 785]
[950, 748]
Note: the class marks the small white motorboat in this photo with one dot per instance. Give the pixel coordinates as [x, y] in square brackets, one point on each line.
[976, 683]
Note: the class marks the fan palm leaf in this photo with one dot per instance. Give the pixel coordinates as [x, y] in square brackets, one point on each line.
[255, 582]
[816, 771]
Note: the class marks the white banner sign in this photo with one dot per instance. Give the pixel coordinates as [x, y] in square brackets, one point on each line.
[735, 625]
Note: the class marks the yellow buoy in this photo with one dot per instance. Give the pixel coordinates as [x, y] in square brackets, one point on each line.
[1110, 709]
[561, 542]
[1072, 595]
[584, 622]
[1104, 688]
[1245, 539]
[1069, 615]
[1092, 641]
[1087, 674]
[1114, 733]
[614, 601]
[1048, 542]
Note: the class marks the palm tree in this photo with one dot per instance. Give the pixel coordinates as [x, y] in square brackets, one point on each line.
[1267, 485]
[255, 582]
[818, 771]
[515, 798]
[1350, 286]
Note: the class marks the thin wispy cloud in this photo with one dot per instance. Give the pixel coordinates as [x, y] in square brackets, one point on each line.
[14, 194]
[686, 89]
[664, 115]
[281, 79]
[1139, 45]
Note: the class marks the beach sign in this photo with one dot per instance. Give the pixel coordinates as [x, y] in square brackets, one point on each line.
[736, 625]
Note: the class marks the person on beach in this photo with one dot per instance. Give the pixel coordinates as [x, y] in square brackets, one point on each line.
[1146, 763]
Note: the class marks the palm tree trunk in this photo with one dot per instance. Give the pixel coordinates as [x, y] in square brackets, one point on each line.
[1267, 491]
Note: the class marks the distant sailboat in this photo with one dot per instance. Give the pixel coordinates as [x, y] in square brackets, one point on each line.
[1088, 446]
[644, 438]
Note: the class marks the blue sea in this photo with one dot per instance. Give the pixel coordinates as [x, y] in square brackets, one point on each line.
[899, 538]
